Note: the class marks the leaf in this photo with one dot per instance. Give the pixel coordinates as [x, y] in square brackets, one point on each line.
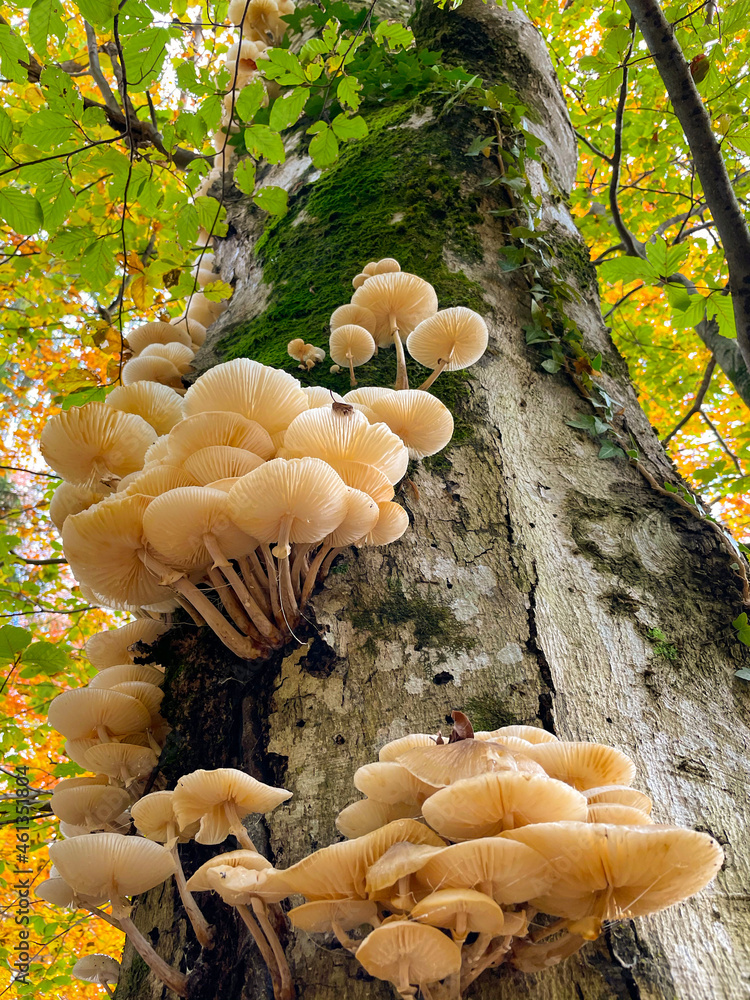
[6, 130]
[94, 394]
[74, 379]
[347, 92]
[218, 291]
[98, 12]
[47, 129]
[720, 308]
[45, 20]
[98, 263]
[70, 243]
[20, 210]
[664, 258]
[12, 641]
[45, 656]
[609, 450]
[144, 54]
[250, 100]
[628, 269]
[324, 147]
[741, 621]
[284, 67]
[349, 128]
[743, 673]
[551, 366]
[272, 199]
[394, 33]
[244, 175]
[12, 53]
[287, 108]
[211, 215]
[262, 141]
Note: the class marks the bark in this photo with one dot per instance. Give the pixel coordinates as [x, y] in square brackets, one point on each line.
[524, 590]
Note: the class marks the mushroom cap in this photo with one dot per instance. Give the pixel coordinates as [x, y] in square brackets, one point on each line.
[398, 861]
[407, 953]
[502, 800]
[77, 749]
[443, 765]
[318, 917]
[111, 865]
[154, 817]
[361, 517]
[423, 423]
[217, 427]
[78, 713]
[240, 885]
[446, 908]
[340, 871]
[203, 309]
[390, 782]
[351, 340]
[391, 524]
[531, 734]
[156, 480]
[147, 693]
[318, 395]
[351, 314]
[157, 452]
[583, 765]
[394, 748]
[56, 890]
[114, 646]
[121, 760]
[335, 437]
[220, 462]
[158, 405]
[156, 333]
[114, 528]
[89, 805]
[68, 499]
[484, 864]
[177, 524]
[617, 814]
[196, 331]
[457, 335]
[203, 795]
[367, 815]
[398, 300]
[249, 860]
[366, 478]
[152, 369]
[84, 442]
[619, 794]
[271, 397]
[179, 354]
[642, 868]
[97, 969]
[303, 493]
[381, 266]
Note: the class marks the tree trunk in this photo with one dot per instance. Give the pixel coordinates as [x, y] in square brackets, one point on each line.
[526, 586]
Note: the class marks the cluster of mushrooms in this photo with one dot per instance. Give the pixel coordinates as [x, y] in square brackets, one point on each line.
[233, 500]
[467, 853]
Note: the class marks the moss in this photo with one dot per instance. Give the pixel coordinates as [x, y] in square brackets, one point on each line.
[575, 260]
[133, 979]
[662, 646]
[490, 712]
[435, 627]
[398, 193]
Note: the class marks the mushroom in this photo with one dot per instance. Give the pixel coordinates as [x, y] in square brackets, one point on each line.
[100, 969]
[215, 427]
[68, 499]
[423, 423]
[389, 878]
[531, 734]
[155, 818]
[351, 346]
[365, 478]
[462, 912]
[220, 462]
[490, 803]
[442, 765]
[156, 480]
[409, 954]
[337, 915]
[619, 794]
[271, 397]
[318, 395]
[124, 762]
[399, 302]
[262, 15]
[93, 805]
[115, 866]
[159, 405]
[178, 354]
[356, 315]
[219, 799]
[395, 748]
[94, 446]
[391, 524]
[391, 783]
[583, 765]
[196, 331]
[619, 815]
[93, 713]
[203, 309]
[156, 333]
[152, 369]
[447, 341]
[367, 815]
[119, 645]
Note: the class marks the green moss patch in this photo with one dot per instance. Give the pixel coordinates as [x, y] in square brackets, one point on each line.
[435, 626]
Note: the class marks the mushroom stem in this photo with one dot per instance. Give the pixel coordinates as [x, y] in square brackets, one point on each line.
[286, 590]
[549, 930]
[203, 931]
[108, 988]
[237, 829]
[229, 600]
[175, 980]
[272, 585]
[312, 574]
[287, 990]
[440, 368]
[263, 947]
[95, 911]
[239, 644]
[402, 376]
[495, 956]
[352, 379]
[257, 617]
[258, 570]
[299, 559]
[257, 585]
[187, 606]
[103, 734]
[325, 569]
[343, 938]
[473, 954]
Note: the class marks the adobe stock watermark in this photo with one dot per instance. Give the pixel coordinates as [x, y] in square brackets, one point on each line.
[23, 875]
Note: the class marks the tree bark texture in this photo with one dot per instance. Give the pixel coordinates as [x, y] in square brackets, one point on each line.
[525, 588]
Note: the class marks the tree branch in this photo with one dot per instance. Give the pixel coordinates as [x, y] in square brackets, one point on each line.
[724, 446]
[697, 402]
[39, 562]
[31, 472]
[717, 186]
[96, 71]
[628, 240]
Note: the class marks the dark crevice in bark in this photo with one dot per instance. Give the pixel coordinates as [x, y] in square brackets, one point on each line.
[546, 696]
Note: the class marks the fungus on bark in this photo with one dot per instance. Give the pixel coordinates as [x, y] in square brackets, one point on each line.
[448, 341]
[350, 346]
[100, 969]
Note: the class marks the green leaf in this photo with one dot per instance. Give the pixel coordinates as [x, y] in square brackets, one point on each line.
[287, 108]
[551, 366]
[250, 100]
[6, 130]
[349, 128]
[47, 129]
[628, 269]
[211, 215]
[596, 363]
[45, 20]
[347, 92]
[244, 175]
[20, 210]
[260, 140]
[609, 450]
[187, 225]
[94, 394]
[144, 54]
[324, 147]
[741, 621]
[720, 308]
[395, 34]
[743, 673]
[98, 12]
[284, 67]
[46, 657]
[70, 243]
[664, 258]
[98, 263]
[12, 641]
[272, 199]
[12, 53]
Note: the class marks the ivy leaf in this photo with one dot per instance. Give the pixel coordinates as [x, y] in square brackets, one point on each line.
[324, 147]
[250, 99]
[287, 108]
[12, 641]
[629, 269]
[21, 211]
[263, 141]
[272, 199]
[284, 67]
[244, 176]
[349, 128]
[12, 53]
[45, 20]
[609, 450]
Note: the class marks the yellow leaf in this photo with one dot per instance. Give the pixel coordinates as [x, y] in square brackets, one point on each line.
[141, 292]
[77, 378]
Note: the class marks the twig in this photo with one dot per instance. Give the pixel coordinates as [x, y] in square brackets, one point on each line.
[628, 240]
[724, 446]
[593, 148]
[697, 402]
[96, 70]
[30, 472]
[622, 299]
[39, 562]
